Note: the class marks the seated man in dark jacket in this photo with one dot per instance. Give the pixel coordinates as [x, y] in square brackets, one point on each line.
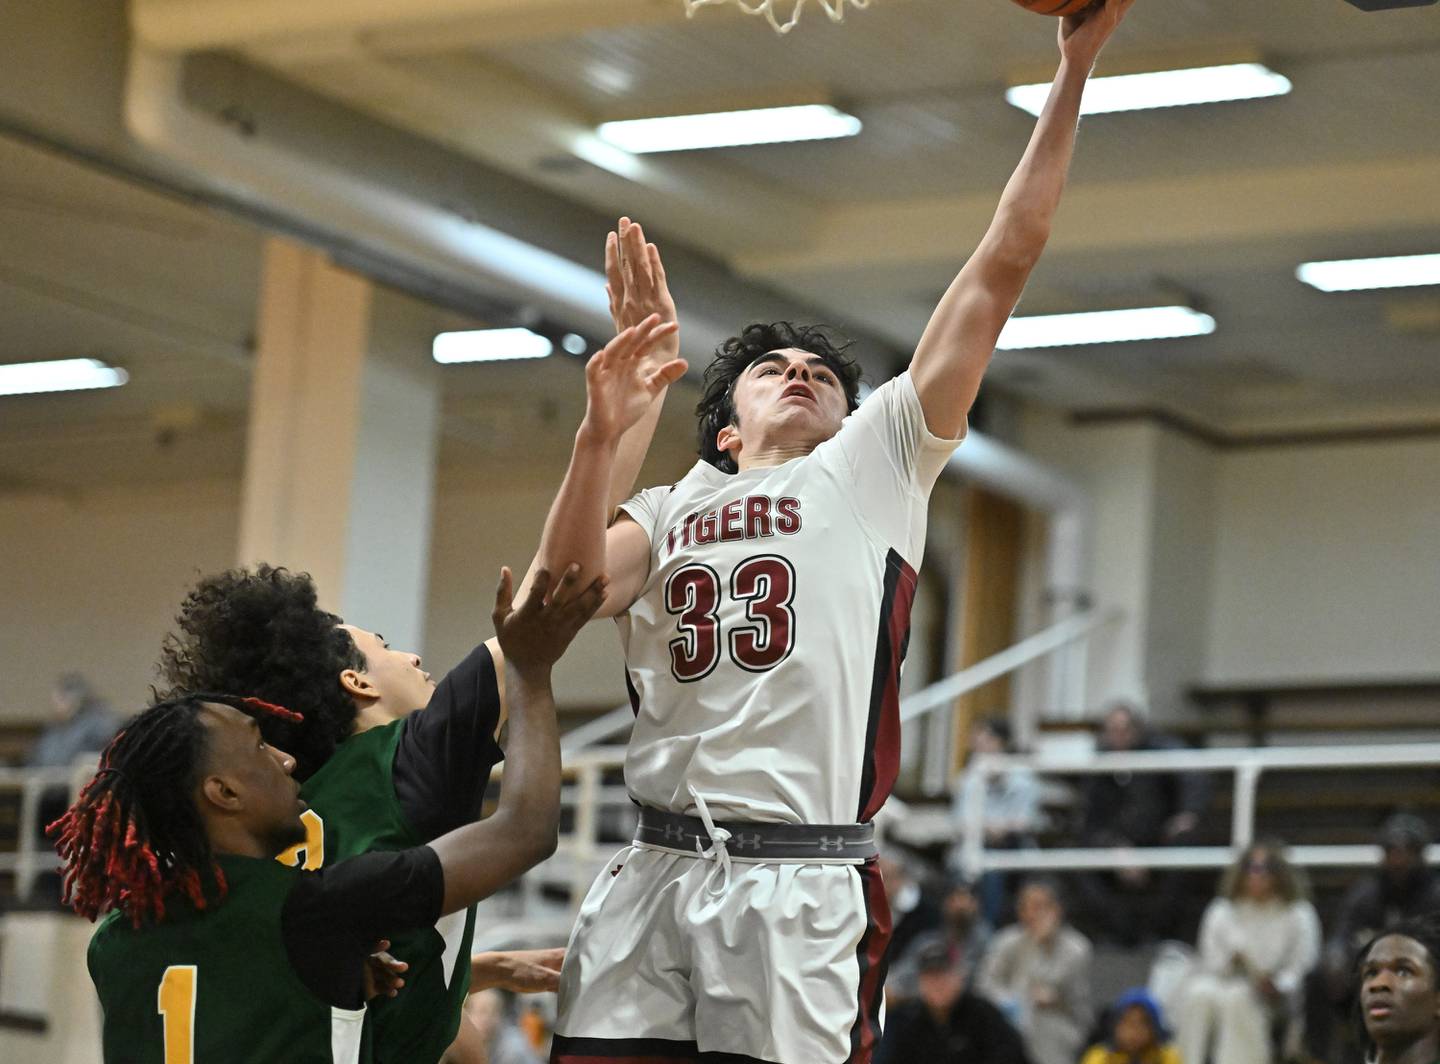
[1127, 809]
[948, 1023]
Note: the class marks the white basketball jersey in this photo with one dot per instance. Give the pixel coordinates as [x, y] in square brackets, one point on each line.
[764, 651]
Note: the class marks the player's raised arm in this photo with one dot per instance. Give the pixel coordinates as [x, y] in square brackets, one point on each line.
[480, 858]
[637, 289]
[621, 385]
[956, 347]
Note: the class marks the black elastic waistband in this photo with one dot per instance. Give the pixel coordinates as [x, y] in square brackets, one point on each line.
[749, 841]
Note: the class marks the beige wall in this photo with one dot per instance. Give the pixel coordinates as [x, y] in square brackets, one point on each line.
[1327, 563]
[90, 582]
[1319, 562]
[1113, 465]
[1308, 563]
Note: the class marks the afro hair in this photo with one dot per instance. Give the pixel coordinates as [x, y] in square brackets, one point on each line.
[262, 634]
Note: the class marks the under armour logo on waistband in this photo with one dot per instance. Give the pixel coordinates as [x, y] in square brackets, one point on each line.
[831, 842]
[746, 840]
[674, 832]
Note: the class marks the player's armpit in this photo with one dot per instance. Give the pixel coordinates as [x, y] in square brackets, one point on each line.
[627, 564]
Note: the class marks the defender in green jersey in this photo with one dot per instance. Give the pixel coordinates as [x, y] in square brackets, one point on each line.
[216, 952]
[378, 774]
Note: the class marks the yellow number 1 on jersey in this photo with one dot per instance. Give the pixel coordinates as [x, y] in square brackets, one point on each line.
[177, 1007]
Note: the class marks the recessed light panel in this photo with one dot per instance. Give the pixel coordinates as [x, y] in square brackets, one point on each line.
[60, 375]
[489, 345]
[728, 129]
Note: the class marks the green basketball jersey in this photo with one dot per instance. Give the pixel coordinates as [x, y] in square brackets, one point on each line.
[354, 810]
[216, 986]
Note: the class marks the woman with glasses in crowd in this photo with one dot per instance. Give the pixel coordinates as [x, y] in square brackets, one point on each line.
[1258, 940]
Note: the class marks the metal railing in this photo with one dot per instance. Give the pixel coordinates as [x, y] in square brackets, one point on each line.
[32, 855]
[1247, 766]
[578, 857]
[1067, 641]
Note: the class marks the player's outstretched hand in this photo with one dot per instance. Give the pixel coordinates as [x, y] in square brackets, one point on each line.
[535, 634]
[1082, 36]
[383, 972]
[621, 382]
[636, 286]
[523, 971]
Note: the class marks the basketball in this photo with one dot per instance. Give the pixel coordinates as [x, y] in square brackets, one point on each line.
[1058, 8]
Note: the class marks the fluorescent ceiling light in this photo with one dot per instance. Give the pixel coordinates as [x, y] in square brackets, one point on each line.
[489, 345]
[1353, 275]
[726, 129]
[1103, 327]
[61, 375]
[1163, 88]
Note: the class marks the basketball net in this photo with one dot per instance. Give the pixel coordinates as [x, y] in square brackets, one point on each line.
[834, 9]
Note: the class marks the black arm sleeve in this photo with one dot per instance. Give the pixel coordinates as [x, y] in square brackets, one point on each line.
[446, 750]
[333, 917]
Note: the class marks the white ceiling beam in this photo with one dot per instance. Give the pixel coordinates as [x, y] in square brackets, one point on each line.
[1207, 211]
[523, 24]
[195, 25]
[493, 115]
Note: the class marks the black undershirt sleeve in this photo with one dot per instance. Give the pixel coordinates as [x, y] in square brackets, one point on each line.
[446, 750]
[333, 917]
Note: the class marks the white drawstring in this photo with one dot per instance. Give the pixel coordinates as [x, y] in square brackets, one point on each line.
[718, 838]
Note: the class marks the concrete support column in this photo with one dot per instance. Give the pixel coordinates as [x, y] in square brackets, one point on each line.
[339, 471]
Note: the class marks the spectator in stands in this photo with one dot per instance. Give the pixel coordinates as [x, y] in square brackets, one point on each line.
[961, 926]
[1135, 1034]
[1011, 801]
[1038, 972]
[1402, 888]
[1399, 991]
[1127, 809]
[1258, 941]
[491, 1013]
[83, 723]
[947, 1023]
[913, 909]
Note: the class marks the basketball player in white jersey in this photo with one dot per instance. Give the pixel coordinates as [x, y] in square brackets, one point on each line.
[763, 604]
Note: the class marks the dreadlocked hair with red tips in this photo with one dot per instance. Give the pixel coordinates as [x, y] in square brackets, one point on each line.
[134, 837]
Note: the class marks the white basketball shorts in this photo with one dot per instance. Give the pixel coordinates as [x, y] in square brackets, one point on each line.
[674, 958]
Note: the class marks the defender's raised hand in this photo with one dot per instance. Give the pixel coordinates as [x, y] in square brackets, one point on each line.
[535, 634]
[621, 382]
[1083, 35]
[636, 285]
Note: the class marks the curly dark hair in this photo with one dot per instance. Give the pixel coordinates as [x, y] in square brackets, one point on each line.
[716, 408]
[262, 633]
[134, 839]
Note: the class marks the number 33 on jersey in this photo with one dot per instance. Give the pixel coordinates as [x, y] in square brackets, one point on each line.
[763, 652]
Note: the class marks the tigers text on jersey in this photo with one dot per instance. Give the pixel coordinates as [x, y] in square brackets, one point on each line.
[764, 650]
